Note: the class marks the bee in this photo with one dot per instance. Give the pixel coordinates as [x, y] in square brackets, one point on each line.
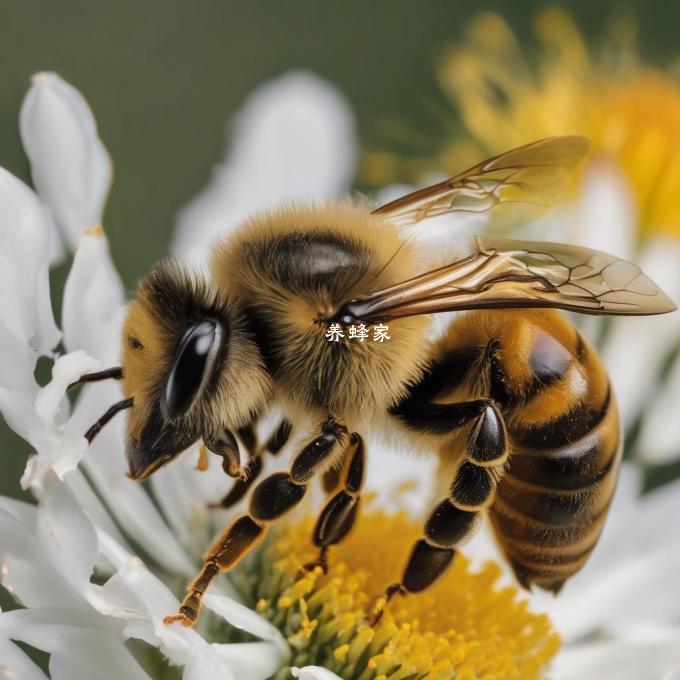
[513, 399]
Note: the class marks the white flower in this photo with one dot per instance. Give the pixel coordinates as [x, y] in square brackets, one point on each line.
[89, 511]
[27, 330]
[314, 673]
[25, 308]
[70, 167]
[293, 139]
[48, 558]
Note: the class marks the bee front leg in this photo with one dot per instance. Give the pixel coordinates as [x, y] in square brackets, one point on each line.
[273, 445]
[457, 516]
[339, 514]
[272, 498]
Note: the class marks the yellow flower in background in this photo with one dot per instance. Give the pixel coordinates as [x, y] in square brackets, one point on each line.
[631, 111]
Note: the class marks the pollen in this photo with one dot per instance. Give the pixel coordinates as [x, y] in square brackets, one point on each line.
[202, 464]
[465, 626]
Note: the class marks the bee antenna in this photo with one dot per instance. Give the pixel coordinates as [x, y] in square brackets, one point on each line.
[96, 428]
[116, 373]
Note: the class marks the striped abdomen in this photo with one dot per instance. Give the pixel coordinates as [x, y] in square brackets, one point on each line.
[561, 415]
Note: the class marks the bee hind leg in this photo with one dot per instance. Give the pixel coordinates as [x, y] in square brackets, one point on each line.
[456, 517]
[339, 514]
[272, 498]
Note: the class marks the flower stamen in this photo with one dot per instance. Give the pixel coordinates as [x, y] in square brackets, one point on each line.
[464, 626]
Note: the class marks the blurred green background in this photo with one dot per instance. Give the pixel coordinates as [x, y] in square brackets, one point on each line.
[163, 78]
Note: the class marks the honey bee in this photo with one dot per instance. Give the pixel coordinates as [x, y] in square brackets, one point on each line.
[512, 397]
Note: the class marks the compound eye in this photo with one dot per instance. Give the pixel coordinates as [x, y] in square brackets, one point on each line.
[193, 366]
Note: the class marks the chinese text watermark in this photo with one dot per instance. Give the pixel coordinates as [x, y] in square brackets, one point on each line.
[360, 333]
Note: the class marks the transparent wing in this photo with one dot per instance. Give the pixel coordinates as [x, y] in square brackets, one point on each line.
[517, 185]
[501, 272]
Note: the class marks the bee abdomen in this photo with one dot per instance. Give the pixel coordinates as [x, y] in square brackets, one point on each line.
[549, 528]
[563, 428]
[553, 499]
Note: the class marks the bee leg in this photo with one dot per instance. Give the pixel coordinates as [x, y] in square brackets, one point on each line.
[456, 517]
[274, 496]
[441, 419]
[254, 467]
[224, 444]
[241, 485]
[339, 514]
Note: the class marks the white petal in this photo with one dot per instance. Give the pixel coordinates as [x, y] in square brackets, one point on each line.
[66, 369]
[403, 480]
[635, 373]
[96, 656]
[32, 583]
[59, 452]
[18, 411]
[603, 216]
[25, 305]
[48, 628]
[126, 499]
[25, 573]
[630, 577]
[67, 536]
[253, 660]
[393, 191]
[82, 644]
[617, 660]
[183, 494]
[92, 505]
[16, 665]
[673, 675]
[70, 166]
[22, 511]
[313, 673]
[242, 617]
[142, 600]
[201, 666]
[94, 300]
[660, 433]
[294, 138]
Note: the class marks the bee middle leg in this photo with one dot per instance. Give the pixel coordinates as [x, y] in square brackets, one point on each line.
[273, 497]
[472, 491]
[273, 445]
[339, 514]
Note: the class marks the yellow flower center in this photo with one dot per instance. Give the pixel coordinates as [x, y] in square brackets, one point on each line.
[630, 113]
[464, 627]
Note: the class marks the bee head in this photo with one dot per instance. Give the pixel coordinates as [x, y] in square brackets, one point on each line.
[190, 368]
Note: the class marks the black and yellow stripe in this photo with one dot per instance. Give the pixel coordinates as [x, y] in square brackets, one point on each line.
[563, 426]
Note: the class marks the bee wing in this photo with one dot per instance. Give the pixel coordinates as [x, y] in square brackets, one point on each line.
[500, 272]
[534, 175]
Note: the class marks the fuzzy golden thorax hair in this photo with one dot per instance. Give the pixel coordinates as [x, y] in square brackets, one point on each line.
[171, 301]
[291, 268]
